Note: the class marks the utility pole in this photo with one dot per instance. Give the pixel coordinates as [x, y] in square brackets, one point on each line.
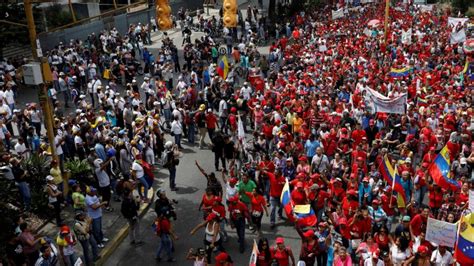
[47, 78]
[387, 11]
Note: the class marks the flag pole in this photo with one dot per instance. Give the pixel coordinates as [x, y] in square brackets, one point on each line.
[387, 11]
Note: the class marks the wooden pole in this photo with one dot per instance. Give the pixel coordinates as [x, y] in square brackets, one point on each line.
[71, 9]
[387, 12]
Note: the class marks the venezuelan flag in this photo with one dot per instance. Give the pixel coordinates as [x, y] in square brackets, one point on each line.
[399, 72]
[440, 171]
[390, 174]
[464, 249]
[422, 102]
[286, 202]
[223, 67]
[305, 215]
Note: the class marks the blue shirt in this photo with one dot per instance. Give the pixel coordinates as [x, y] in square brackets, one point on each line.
[90, 201]
[311, 147]
[100, 151]
[407, 187]
[365, 190]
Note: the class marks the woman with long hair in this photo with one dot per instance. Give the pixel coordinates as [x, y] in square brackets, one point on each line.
[264, 257]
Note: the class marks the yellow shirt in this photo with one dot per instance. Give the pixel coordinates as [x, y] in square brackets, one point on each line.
[56, 173]
[297, 122]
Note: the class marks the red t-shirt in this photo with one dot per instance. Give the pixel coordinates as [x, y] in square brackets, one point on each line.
[346, 205]
[298, 197]
[418, 224]
[320, 198]
[219, 210]
[256, 202]
[238, 210]
[206, 202]
[282, 256]
[276, 185]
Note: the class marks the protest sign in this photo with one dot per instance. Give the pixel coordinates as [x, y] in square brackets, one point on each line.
[441, 233]
[471, 200]
[381, 103]
[338, 13]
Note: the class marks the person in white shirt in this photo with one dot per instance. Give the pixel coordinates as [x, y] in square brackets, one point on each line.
[441, 257]
[21, 150]
[10, 97]
[374, 260]
[246, 91]
[5, 110]
[177, 131]
[223, 113]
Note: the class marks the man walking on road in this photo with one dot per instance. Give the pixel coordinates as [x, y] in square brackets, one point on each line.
[129, 210]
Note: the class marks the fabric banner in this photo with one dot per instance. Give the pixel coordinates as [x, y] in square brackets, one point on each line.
[338, 13]
[425, 8]
[406, 36]
[383, 104]
[453, 22]
[457, 37]
[471, 200]
[366, 1]
[441, 233]
[254, 255]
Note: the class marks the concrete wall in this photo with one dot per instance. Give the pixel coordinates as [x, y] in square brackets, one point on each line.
[121, 22]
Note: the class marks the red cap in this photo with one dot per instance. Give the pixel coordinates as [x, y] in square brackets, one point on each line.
[371, 122]
[376, 201]
[217, 199]
[425, 165]
[365, 179]
[309, 233]
[65, 229]
[233, 180]
[342, 220]
[315, 176]
[302, 158]
[222, 256]
[211, 217]
[299, 185]
[351, 192]
[300, 175]
[280, 240]
[360, 158]
[234, 198]
[422, 249]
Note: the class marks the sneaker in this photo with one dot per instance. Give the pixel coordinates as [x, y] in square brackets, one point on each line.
[109, 209]
[100, 245]
[105, 239]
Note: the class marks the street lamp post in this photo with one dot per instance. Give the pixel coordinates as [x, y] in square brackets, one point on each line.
[47, 78]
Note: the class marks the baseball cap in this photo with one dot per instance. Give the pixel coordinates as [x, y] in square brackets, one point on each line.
[406, 218]
[49, 178]
[280, 240]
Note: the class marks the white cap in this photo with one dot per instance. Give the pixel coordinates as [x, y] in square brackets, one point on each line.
[463, 160]
[98, 162]
[49, 178]
[168, 144]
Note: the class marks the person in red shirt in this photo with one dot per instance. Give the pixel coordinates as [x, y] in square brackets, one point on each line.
[420, 184]
[357, 135]
[211, 122]
[282, 253]
[264, 257]
[165, 233]
[277, 181]
[419, 222]
[219, 209]
[435, 196]
[350, 203]
[207, 202]
[389, 202]
[317, 198]
[258, 205]
[223, 259]
[238, 214]
[357, 226]
[430, 156]
[298, 195]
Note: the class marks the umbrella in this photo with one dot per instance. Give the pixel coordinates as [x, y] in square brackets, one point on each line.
[469, 46]
[374, 23]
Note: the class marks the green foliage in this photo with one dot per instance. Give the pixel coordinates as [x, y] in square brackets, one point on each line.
[470, 12]
[57, 15]
[462, 5]
[80, 171]
[38, 168]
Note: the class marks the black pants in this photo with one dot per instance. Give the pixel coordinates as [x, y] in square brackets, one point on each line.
[105, 193]
[322, 258]
[217, 244]
[57, 212]
[217, 157]
[257, 221]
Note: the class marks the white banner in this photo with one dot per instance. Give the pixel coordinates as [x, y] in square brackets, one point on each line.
[425, 8]
[441, 233]
[406, 36]
[240, 129]
[383, 104]
[366, 1]
[453, 22]
[457, 37]
[471, 200]
[338, 13]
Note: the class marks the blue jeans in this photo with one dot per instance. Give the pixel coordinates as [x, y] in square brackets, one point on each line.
[191, 133]
[420, 194]
[25, 194]
[165, 244]
[70, 259]
[177, 139]
[145, 185]
[167, 113]
[86, 251]
[240, 228]
[97, 229]
[172, 176]
[274, 204]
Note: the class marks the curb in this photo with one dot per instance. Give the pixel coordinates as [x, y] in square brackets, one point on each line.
[109, 249]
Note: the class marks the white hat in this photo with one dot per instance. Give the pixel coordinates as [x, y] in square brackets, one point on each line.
[82, 96]
[49, 178]
[168, 144]
[463, 160]
[98, 162]
[408, 160]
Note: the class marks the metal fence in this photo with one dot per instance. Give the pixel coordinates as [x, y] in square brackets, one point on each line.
[120, 22]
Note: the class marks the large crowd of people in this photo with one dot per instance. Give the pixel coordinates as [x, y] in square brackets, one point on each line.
[309, 126]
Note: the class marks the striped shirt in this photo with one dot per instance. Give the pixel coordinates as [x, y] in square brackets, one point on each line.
[377, 215]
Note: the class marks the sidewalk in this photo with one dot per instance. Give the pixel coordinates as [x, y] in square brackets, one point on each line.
[114, 226]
